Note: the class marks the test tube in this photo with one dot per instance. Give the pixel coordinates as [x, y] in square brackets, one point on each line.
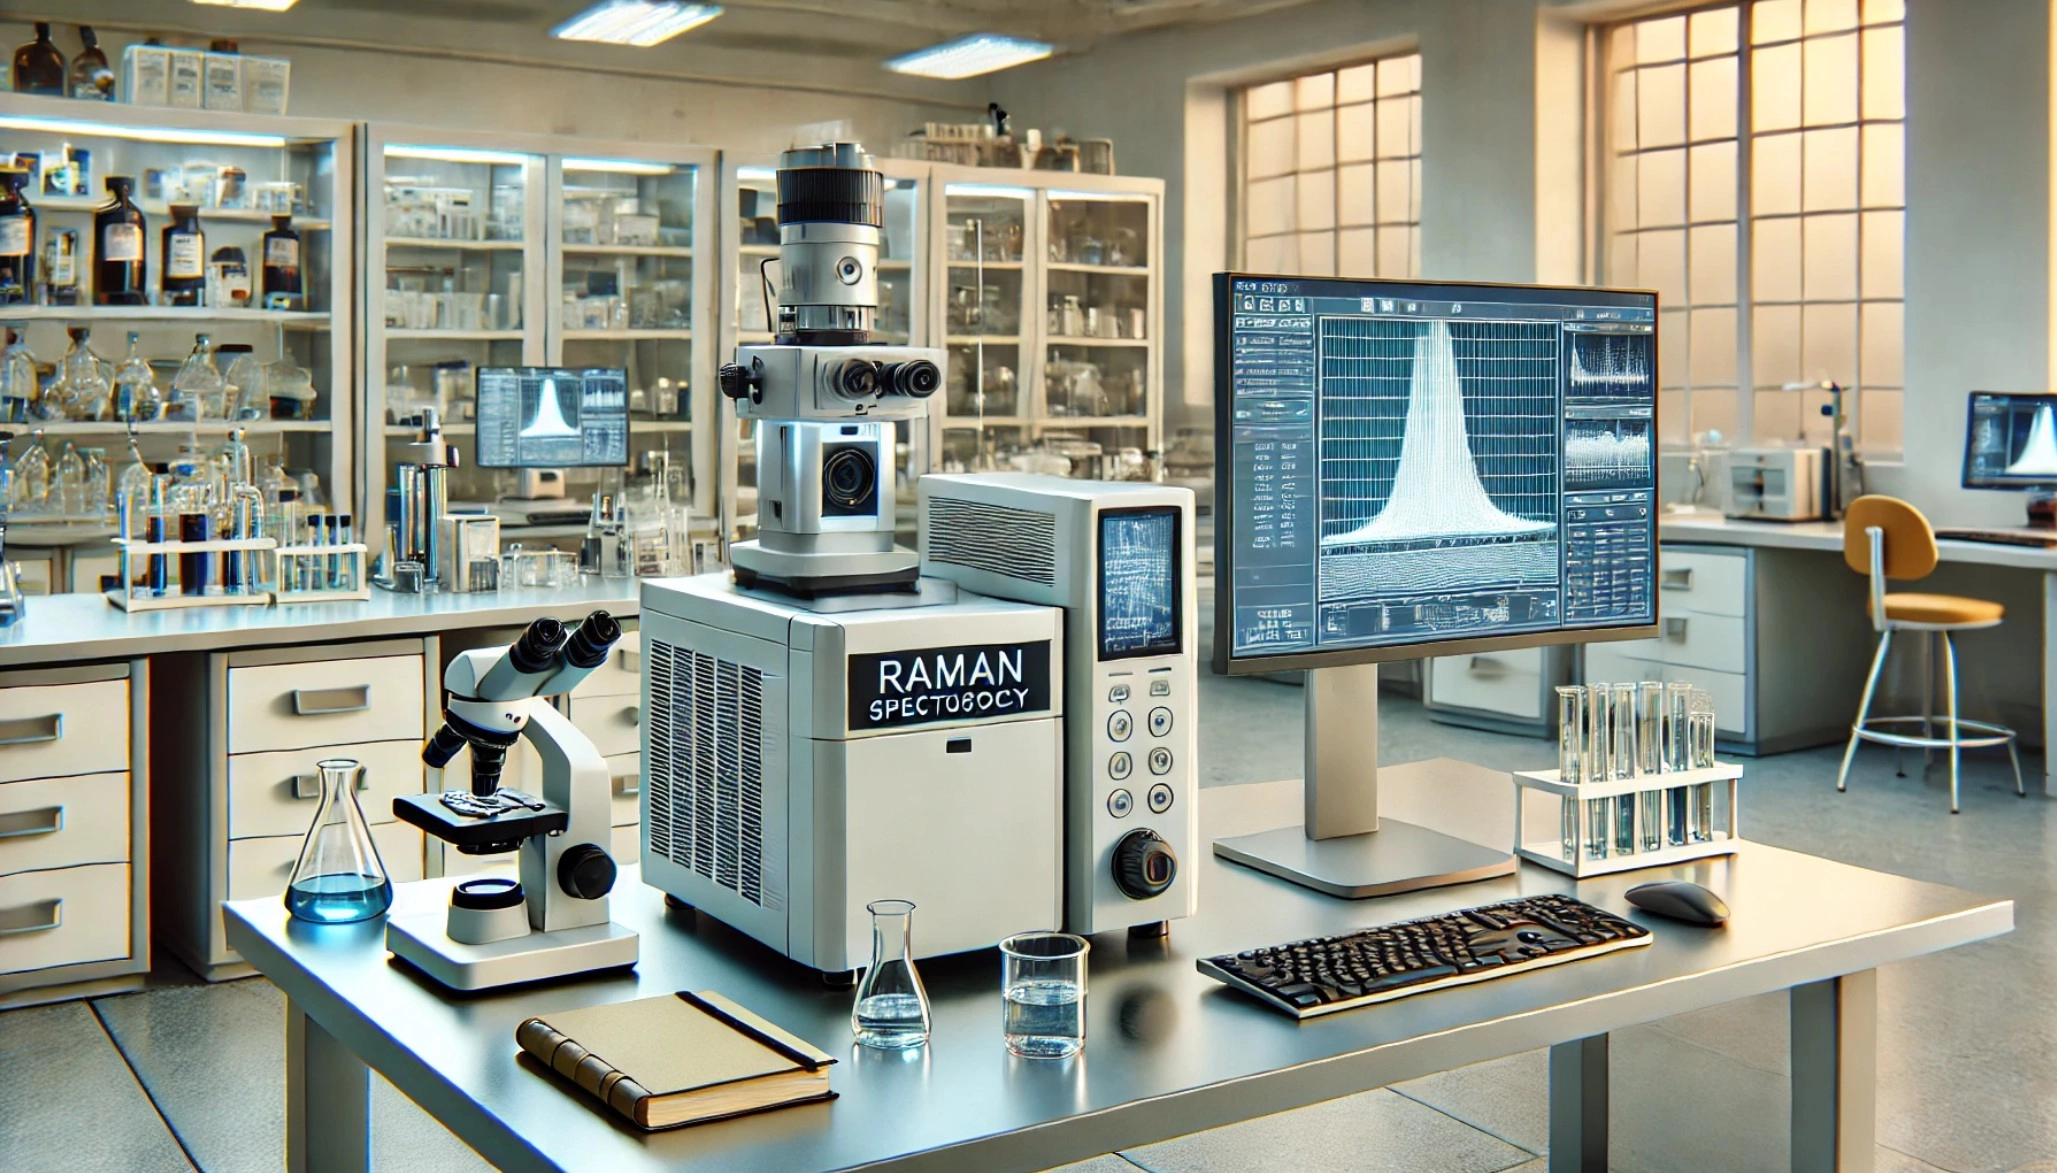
[1621, 719]
[349, 561]
[307, 575]
[1700, 811]
[195, 569]
[331, 568]
[1599, 739]
[1571, 758]
[160, 569]
[1678, 697]
[1650, 760]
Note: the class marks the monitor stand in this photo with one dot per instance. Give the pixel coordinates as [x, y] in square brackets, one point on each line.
[1344, 848]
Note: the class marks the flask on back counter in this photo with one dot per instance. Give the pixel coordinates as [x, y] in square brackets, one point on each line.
[283, 288]
[120, 273]
[17, 237]
[184, 257]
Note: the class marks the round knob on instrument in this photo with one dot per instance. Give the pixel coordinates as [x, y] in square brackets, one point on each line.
[1144, 865]
[735, 381]
[585, 871]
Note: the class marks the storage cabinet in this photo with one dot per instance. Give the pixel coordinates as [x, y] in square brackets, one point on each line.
[1509, 692]
[238, 736]
[74, 851]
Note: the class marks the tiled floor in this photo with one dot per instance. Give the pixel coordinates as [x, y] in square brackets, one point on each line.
[187, 1075]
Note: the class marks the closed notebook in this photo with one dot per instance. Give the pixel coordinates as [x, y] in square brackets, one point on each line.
[679, 1058]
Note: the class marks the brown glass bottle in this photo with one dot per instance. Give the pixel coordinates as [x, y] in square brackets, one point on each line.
[91, 79]
[17, 237]
[120, 274]
[184, 257]
[283, 288]
[39, 65]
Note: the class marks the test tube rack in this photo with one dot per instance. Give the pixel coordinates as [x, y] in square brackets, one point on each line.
[291, 564]
[132, 598]
[1722, 837]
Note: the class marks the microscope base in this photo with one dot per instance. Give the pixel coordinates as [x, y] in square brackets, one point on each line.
[422, 942]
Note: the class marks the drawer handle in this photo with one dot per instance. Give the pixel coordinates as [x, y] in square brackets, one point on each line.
[1486, 666]
[1677, 580]
[632, 660]
[32, 730]
[309, 785]
[327, 702]
[627, 785]
[21, 824]
[1675, 628]
[39, 917]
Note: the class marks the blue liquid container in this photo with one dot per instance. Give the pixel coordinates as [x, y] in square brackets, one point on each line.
[338, 878]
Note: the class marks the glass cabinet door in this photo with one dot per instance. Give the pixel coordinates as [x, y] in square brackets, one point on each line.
[984, 298]
[1099, 356]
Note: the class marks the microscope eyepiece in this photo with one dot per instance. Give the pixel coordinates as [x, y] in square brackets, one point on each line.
[442, 747]
[589, 645]
[536, 650]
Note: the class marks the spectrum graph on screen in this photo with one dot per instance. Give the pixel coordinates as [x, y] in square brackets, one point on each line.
[1417, 462]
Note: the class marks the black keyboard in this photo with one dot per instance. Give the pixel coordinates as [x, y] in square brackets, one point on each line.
[2001, 537]
[1322, 975]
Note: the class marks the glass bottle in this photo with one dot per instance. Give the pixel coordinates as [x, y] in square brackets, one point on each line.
[120, 274]
[60, 267]
[68, 482]
[244, 376]
[281, 277]
[136, 396]
[81, 391]
[184, 255]
[31, 476]
[228, 278]
[91, 79]
[18, 388]
[134, 490]
[17, 237]
[197, 390]
[99, 484]
[892, 1011]
[39, 65]
[339, 877]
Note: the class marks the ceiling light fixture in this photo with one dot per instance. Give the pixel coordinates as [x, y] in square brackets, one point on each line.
[619, 166]
[143, 134]
[457, 155]
[260, 5]
[641, 23]
[970, 56]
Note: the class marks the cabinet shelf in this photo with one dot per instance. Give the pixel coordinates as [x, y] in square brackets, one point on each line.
[469, 246]
[1082, 340]
[988, 339]
[171, 427]
[291, 319]
[626, 250]
[1091, 421]
[1110, 270]
[630, 335]
[158, 210]
[401, 335]
[989, 266]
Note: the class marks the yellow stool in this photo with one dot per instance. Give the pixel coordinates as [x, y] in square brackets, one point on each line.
[1884, 537]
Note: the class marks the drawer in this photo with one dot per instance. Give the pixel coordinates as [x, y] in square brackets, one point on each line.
[621, 675]
[325, 702]
[1619, 663]
[35, 573]
[276, 793]
[1731, 693]
[1508, 683]
[1704, 641]
[611, 722]
[64, 822]
[261, 867]
[62, 730]
[1703, 583]
[625, 844]
[625, 783]
[69, 916]
[87, 570]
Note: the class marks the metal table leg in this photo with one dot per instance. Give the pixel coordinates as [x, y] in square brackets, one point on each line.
[1578, 1106]
[328, 1101]
[1835, 1074]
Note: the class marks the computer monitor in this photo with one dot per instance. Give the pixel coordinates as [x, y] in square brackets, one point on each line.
[1409, 469]
[550, 417]
[2010, 442]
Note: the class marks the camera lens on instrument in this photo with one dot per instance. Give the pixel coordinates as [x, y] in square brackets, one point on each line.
[588, 645]
[855, 378]
[442, 747]
[849, 480]
[917, 379]
[537, 648]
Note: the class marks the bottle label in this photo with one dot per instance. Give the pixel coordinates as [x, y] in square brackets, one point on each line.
[184, 259]
[282, 252]
[122, 242]
[14, 236]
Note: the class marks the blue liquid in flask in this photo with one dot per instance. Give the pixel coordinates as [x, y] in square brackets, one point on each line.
[339, 898]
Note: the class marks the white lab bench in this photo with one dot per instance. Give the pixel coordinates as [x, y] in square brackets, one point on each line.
[152, 765]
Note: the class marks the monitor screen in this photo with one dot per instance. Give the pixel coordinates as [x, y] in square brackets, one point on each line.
[547, 417]
[2010, 441]
[1139, 582]
[1414, 464]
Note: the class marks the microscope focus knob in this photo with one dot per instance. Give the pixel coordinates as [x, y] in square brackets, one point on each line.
[1144, 865]
[738, 382]
[585, 871]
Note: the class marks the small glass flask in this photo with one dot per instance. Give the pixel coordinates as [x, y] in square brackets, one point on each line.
[18, 386]
[133, 490]
[198, 391]
[243, 374]
[136, 396]
[892, 1011]
[81, 391]
[31, 477]
[68, 482]
[338, 877]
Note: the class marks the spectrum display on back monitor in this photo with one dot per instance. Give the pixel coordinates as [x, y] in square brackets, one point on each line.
[1419, 462]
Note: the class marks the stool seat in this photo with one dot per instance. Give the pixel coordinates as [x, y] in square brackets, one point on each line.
[1915, 607]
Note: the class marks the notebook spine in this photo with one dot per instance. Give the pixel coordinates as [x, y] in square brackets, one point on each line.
[590, 1072]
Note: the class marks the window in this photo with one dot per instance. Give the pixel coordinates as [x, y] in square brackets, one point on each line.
[1331, 172]
[1782, 265]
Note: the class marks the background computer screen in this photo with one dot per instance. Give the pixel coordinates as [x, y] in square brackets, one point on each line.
[1408, 464]
[547, 417]
[2010, 442]
[1139, 582]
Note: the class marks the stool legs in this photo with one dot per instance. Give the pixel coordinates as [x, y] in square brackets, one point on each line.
[1928, 697]
[1878, 663]
[1950, 688]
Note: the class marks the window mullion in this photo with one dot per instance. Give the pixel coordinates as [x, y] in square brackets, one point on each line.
[1746, 309]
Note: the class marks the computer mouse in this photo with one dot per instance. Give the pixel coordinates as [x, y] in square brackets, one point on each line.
[1679, 900]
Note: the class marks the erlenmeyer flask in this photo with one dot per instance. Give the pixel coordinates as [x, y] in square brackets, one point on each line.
[339, 877]
[197, 391]
[135, 386]
[892, 1011]
[31, 486]
[18, 385]
[69, 482]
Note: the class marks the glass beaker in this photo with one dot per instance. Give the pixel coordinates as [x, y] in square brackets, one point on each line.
[1571, 757]
[892, 1011]
[339, 877]
[1043, 981]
